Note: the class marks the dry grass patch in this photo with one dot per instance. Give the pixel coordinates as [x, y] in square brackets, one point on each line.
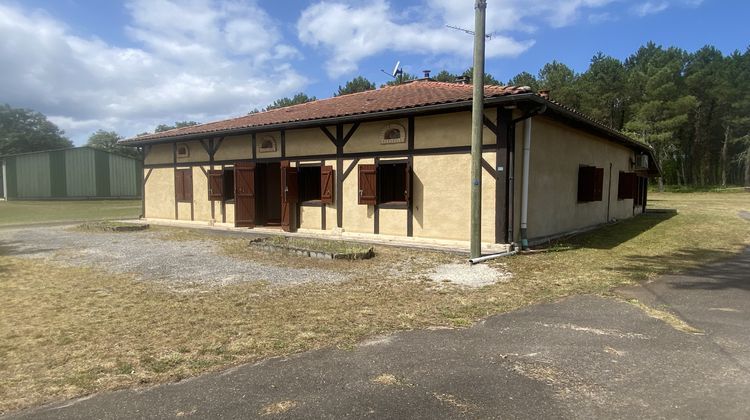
[386, 379]
[676, 322]
[278, 408]
[67, 332]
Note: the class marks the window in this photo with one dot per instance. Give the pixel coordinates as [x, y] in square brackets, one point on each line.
[642, 184]
[392, 183]
[626, 185]
[309, 183]
[267, 144]
[183, 185]
[221, 184]
[228, 184]
[386, 183]
[393, 133]
[183, 150]
[590, 184]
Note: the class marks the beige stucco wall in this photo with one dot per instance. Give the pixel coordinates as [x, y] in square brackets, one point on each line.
[159, 193]
[183, 211]
[308, 142]
[442, 192]
[196, 153]
[368, 137]
[449, 130]
[235, 147]
[309, 217]
[201, 205]
[160, 154]
[229, 212]
[557, 151]
[392, 222]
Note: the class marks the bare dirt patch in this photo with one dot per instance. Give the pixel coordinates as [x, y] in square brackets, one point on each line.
[465, 274]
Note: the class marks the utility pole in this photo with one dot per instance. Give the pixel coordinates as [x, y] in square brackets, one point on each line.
[477, 126]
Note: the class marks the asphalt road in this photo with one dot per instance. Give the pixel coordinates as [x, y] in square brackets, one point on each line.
[581, 357]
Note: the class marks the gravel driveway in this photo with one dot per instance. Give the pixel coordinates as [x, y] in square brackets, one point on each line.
[149, 255]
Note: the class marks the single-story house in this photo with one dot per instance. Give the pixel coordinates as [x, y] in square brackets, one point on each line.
[396, 161]
[76, 173]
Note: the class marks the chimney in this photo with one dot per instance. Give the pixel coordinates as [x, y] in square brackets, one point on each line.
[426, 74]
[544, 93]
[462, 80]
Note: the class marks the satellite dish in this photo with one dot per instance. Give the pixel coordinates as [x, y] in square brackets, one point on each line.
[396, 69]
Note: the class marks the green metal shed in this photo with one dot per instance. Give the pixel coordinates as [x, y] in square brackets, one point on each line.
[70, 174]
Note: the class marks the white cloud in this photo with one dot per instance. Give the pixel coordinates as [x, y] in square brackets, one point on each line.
[195, 60]
[650, 8]
[353, 32]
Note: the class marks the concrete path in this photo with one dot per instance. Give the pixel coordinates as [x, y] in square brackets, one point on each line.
[582, 357]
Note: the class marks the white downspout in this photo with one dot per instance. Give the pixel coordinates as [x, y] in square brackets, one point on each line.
[5, 183]
[525, 182]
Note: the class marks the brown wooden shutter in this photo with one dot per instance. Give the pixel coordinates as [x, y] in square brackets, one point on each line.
[187, 184]
[289, 184]
[244, 194]
[183, 185]
[598, 184]
[326, 184]
[289, 196]
[585, 184]
[178, 188]
[368, 184]
[215, 184]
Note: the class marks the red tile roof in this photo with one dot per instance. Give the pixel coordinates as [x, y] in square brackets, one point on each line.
[410, 95]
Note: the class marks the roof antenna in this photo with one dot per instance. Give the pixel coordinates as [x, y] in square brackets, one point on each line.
[488, 36]
[397, 73]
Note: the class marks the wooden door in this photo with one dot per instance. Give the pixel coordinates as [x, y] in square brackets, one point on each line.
[244, 194]
[289, 195]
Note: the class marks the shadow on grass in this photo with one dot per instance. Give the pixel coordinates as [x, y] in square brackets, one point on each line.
[15, 248]
[610, 236]
[733, 273]
[726, 269]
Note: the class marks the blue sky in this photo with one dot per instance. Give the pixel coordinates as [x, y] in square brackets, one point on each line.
[129, 66]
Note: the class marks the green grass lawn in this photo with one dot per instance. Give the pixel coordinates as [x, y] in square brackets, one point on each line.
[31, 212]
[70, 331]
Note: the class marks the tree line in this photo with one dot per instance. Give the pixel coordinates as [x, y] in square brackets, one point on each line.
[692, 107]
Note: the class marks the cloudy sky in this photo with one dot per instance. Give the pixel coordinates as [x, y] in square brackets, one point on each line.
[129, 66]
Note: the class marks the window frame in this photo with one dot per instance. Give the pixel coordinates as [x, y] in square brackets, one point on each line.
[588, 190]
[626, 187]
[305, 180]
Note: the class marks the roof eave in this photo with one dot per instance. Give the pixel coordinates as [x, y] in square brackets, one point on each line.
[552, 107]
[321, 121]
